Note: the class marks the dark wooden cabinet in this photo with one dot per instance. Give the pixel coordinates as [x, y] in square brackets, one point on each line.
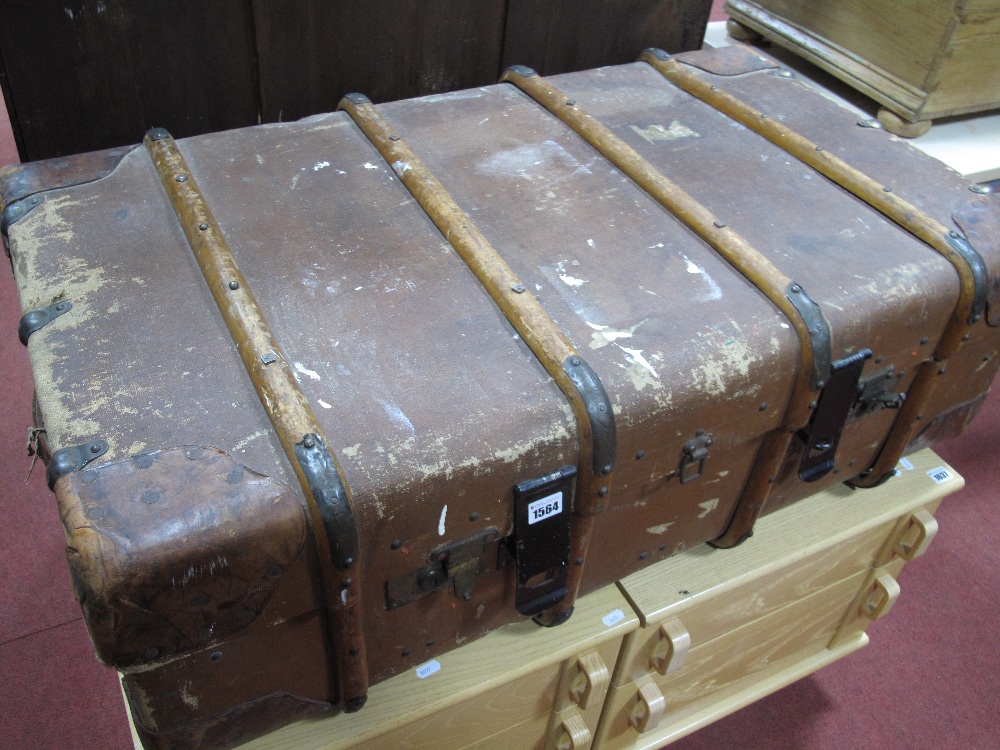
[80, 75]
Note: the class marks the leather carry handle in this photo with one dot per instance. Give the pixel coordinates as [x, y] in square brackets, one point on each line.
[324, 487]
[560, 358]
[949, 244]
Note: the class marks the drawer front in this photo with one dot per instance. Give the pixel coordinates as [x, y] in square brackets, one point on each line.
[728, 662]
[758, 597]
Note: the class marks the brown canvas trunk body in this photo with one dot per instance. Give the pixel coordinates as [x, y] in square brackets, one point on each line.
[450, 341]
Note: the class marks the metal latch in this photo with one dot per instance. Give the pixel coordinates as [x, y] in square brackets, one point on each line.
[693, 456]
[877, 392]
[540, 544]
[459, 562]
[822, 434]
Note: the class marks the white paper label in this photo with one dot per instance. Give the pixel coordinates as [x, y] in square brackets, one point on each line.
[426, 670]
[613, 618]
[545, 507]
[939, 475]
[906, 463]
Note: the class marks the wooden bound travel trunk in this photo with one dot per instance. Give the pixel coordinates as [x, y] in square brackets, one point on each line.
[323, 399]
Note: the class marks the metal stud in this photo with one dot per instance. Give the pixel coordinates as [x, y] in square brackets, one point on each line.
[981, 189]
[234, 285]
[517, 288]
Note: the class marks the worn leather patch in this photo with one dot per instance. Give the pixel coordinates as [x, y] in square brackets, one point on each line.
[727, 61]
[979, 220]
[172, 550]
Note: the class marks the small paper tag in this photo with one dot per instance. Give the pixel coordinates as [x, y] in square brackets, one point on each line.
[426, 670]
[939, 475]
[545, 507]
[613, 618]
[906, 463]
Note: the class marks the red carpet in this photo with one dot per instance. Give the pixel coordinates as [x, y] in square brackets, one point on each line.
[929, 679]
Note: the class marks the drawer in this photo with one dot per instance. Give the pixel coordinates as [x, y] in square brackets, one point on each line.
[505, 688]
[764, 646]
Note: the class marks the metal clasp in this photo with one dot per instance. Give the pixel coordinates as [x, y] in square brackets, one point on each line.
[693, 457]
[822, 434]
[540, 544]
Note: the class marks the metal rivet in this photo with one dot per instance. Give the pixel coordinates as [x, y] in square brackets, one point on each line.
[473, 516]
[269, 359]
[606, 470]
[819, 148]
[953, 234]
[348, 562]
[204, 634]
[663, 547]
[308, 442]
[234, 285]
[714, 88]
[578, 561]
[795, 289]
[151, 653]
[354, 651]
[575, 361]
[640, 455]
[194, 452]
[150, 496]
[571, 102]
[203, 227]
[517, 288]
[643, 555]
[986, 358]
[60, 307]
[684, 592]
[821, 384]
[763, 117]
[870, 123]
[347, 583]
[89, 476]
[143, 462]
[181, 178]
[467, 597]
[924, 340]
[966, 337]
[920, 417]
[429, 642]
[812, 404]
[95, 514]
[36, 200]
[405, 652]
[887, 189]
[602, 492]
[942, 371]
[719, 223]
[393, 137]
[396, 544]
[215, 656]
[981, 189]
[878, 360]
[762, 406]
[96, 448]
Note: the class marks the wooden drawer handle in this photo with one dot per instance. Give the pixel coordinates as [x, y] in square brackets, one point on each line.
[591, 682]
[574, 734]
[671, 647]
[880, 600]
[648, 709]
[920, 532]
